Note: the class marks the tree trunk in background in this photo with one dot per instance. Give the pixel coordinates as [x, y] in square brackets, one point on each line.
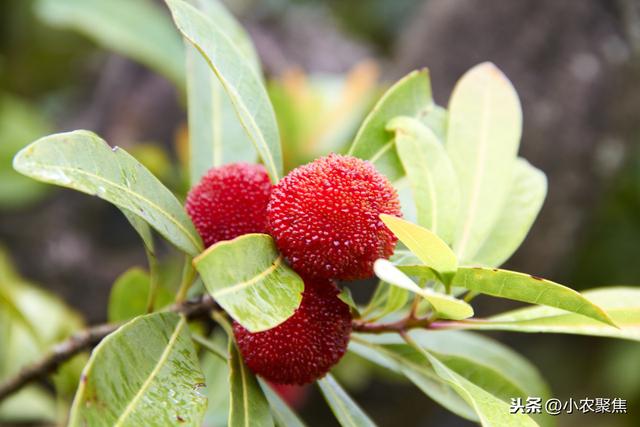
[570, 62]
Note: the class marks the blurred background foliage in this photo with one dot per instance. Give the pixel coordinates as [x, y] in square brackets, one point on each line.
[576, 66]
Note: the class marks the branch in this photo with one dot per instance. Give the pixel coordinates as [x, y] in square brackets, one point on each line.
[410, 322]
[198, 308]
[192, 309]
[399, 326]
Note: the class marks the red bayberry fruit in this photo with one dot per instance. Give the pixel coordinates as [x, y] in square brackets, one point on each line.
[324, 217]
[294, 395]
[230, 201]
[305, 346]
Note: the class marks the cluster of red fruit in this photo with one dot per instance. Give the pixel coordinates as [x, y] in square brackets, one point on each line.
[324, 218]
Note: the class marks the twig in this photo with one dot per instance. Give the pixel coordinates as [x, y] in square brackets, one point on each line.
[154, 279]
[211, 346]
[404, 324]
[197, 308]
[200, 308]
[58, 355]
[188, 276]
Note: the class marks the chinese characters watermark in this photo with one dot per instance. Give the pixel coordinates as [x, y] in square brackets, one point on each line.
[553, 406]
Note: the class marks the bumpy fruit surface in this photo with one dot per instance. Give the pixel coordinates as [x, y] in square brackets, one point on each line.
[305, 346]
[324, 217]
[230, 201]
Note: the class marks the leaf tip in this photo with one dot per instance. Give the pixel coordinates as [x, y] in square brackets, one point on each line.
[607, 319]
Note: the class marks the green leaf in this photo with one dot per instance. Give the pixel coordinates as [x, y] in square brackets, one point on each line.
[119, 25]
[66, 379]
[385, 299]
[83, 161]
[436, 121]
[420, 271]
[484, 128]
[431, 175]
[283, 415]
[229, 25]
[143, 230]
[346, 297]
[527, 288]
[260, 291]
[491, 410]
[524, 201]
[428, 247]
[410, 96]
[158, 386]
[239, 79]
[621, 304]
[347, 412]
[446, 306]
[396, 299]
[487, 363]
[130, 293]
[405, 361]
[216, 372]
[248, 405]
[216, 136]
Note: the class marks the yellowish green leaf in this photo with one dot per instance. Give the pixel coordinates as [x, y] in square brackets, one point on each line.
[484, 128]
[446, 306]
[249, 278]
[238, 78]
[431, 175]
[524, 201]
[528, 288]
[84, 162]
[428, 247]
[410, 96]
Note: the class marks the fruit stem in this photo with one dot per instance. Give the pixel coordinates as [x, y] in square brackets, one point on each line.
[220, 318]
[414, 308]
[470, 295]
[188, 276]
[154, 279]
[210, 346]
[401, 325]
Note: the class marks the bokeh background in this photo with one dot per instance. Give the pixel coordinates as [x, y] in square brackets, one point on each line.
[575, 64]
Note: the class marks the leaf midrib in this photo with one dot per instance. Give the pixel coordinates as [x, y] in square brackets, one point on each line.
[245, 392]
[431, 188]
[338, 402]
[241, 285]
[216, 125]
[257, 137]
[156, 369]
[480, 163]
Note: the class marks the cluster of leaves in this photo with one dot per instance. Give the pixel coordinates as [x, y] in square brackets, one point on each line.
[468, 200]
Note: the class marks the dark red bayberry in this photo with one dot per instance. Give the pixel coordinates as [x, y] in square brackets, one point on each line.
[324, 217]
[294, 395]
[230, 201]
[305, 346]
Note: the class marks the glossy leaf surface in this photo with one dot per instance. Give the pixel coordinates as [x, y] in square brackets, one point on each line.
[84, 162]
[260, 291]
[156, 387]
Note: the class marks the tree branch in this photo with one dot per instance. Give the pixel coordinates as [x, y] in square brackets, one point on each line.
[402, 325]
[198, 308]
[193, 309]
[410, 322]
